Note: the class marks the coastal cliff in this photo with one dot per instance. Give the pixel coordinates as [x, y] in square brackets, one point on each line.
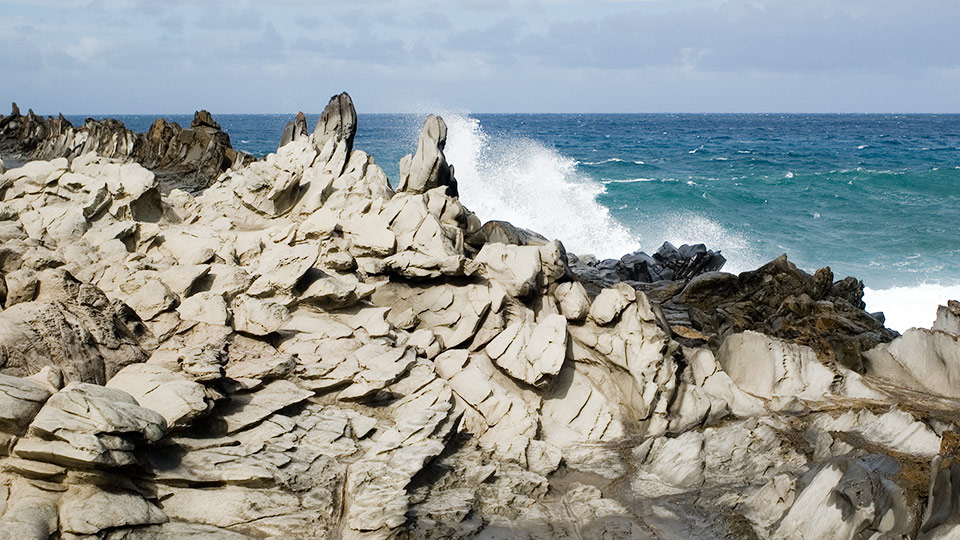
[294, 347]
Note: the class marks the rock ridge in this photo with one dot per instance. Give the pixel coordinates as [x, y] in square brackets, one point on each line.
[301, 350]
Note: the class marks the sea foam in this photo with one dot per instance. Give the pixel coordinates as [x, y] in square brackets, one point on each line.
[909, 307]
[532, 186]
[522, 181]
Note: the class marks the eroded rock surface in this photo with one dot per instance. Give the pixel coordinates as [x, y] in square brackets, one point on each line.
[300, 351]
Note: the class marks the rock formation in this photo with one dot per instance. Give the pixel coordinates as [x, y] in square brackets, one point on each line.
[192, 158]
[300, 351]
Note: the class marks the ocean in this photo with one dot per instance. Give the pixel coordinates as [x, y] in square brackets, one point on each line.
[872, 196]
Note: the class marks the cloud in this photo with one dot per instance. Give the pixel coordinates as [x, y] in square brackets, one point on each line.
[541, 54]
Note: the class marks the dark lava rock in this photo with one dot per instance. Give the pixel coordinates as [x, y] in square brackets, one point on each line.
[295, 129]
[190, 159]
[780, 300]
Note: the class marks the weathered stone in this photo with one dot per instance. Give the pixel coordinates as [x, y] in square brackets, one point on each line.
[176, 398]
[427, 168]
[86, 424]
[247, 409]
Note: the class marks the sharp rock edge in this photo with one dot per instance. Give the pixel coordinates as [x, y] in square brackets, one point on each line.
[290, 348]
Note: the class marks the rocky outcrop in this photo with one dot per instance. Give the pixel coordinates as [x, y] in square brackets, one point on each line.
[192, 157]
[299, 351]
[427, 168]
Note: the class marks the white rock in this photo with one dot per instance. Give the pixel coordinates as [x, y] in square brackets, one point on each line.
[573, 300]
[176, 398]
[767, 367]
[207, 307]
[924, 360]
[85, 509]
[532, 353]
[258, 317]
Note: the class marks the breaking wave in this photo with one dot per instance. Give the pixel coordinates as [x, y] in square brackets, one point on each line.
[533, 186]
[910, 307]
[524, 182]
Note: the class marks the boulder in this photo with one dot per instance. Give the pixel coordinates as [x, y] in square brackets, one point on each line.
[532, 353]
[90, 425]
[176, 398]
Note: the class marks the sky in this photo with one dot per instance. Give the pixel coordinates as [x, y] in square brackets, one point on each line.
[240, 56]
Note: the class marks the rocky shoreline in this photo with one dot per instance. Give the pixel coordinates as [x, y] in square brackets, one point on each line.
[197, 343]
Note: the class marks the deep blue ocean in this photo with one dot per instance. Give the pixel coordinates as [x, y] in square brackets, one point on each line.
[872, 196]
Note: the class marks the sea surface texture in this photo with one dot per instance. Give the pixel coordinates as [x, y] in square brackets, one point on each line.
[872, 196]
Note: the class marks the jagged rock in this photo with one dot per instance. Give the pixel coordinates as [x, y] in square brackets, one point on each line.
[20, 400]
[294, 130]
[203, 119]
[427, 168]
[246, 409]
[196, 156]
[924, 360]
[948, 318]
[532, 353]
[86, 424]
[87, 510]
[176, 398]
[333, 135]
[374, 483]
[783, 301]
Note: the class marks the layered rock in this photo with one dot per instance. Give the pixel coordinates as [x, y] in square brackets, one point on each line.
[300, 351]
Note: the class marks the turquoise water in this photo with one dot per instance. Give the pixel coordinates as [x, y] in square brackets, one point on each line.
[873, 196]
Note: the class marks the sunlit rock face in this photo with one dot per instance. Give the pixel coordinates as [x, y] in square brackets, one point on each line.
[297, 350]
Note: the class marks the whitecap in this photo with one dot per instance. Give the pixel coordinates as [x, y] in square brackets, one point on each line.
[789, 174]
[532, 186]
[611, 160]
[910, 307]
[626, 180]
[863, 146]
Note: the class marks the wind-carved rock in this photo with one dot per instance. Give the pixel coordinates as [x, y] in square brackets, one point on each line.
[299, 351]
[427, 168]
[333, 136]
[294, 130]
[195, 156]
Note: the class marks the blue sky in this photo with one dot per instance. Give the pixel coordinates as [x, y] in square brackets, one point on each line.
[175, 56]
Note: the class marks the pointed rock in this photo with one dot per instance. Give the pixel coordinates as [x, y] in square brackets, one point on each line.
[428, 169]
